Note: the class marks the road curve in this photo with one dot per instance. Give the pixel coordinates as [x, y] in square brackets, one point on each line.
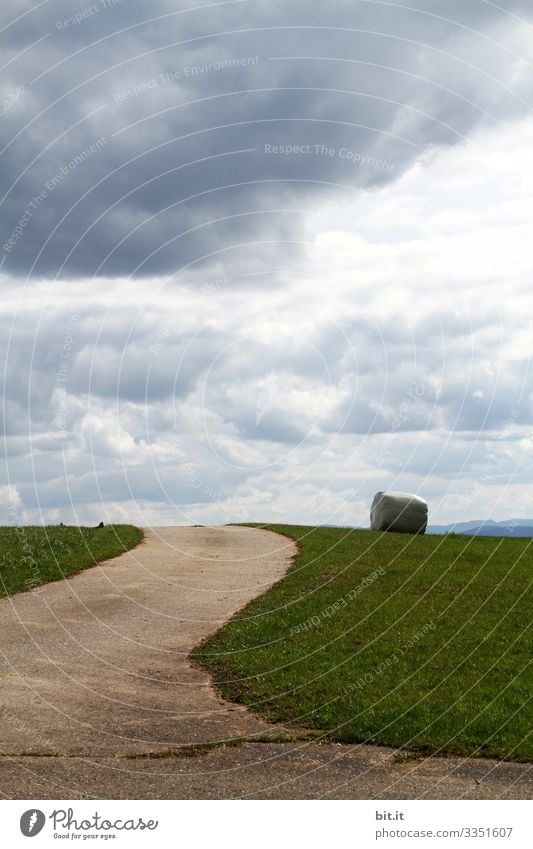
[99, 663]
[99, 698]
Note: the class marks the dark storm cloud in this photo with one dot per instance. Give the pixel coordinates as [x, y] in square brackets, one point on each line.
[144, 146]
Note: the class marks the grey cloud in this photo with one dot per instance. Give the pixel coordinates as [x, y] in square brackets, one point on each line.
[457, 460]
[176, 487]
[373, 108]
[389, 377]
[143, 372]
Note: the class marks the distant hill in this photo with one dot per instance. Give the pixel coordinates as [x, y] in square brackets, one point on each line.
[476, 527]
[487, 528]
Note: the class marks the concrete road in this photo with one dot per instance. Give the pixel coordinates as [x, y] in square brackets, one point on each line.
[99, 698]
[266, 771]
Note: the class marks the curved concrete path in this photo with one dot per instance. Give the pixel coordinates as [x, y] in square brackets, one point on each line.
[99, 663]
[99, 698]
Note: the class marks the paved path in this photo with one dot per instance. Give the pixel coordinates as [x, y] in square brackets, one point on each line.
[99, 699]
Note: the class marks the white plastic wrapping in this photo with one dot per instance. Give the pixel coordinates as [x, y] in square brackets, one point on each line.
[400, 512]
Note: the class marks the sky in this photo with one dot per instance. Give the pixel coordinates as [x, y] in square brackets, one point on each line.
[261, 260]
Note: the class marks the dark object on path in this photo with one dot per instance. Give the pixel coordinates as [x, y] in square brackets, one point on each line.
[400, 512]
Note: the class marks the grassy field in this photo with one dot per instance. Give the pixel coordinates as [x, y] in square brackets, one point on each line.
[420, 642]
[30, 556]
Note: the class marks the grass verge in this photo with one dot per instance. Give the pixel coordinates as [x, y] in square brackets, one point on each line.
[421, 642]
[30, 556]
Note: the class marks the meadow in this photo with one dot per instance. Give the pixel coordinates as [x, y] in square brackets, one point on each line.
[30, 555]
[417, 642]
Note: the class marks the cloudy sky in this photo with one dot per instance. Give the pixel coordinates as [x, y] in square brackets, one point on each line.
[261, 259]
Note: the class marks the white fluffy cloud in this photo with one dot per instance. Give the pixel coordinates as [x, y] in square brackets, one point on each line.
[10, 498]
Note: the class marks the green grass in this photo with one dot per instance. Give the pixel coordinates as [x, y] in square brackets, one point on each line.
[30, 556]
[433, 655]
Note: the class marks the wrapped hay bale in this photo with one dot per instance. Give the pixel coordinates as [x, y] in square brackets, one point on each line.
[400, 512]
